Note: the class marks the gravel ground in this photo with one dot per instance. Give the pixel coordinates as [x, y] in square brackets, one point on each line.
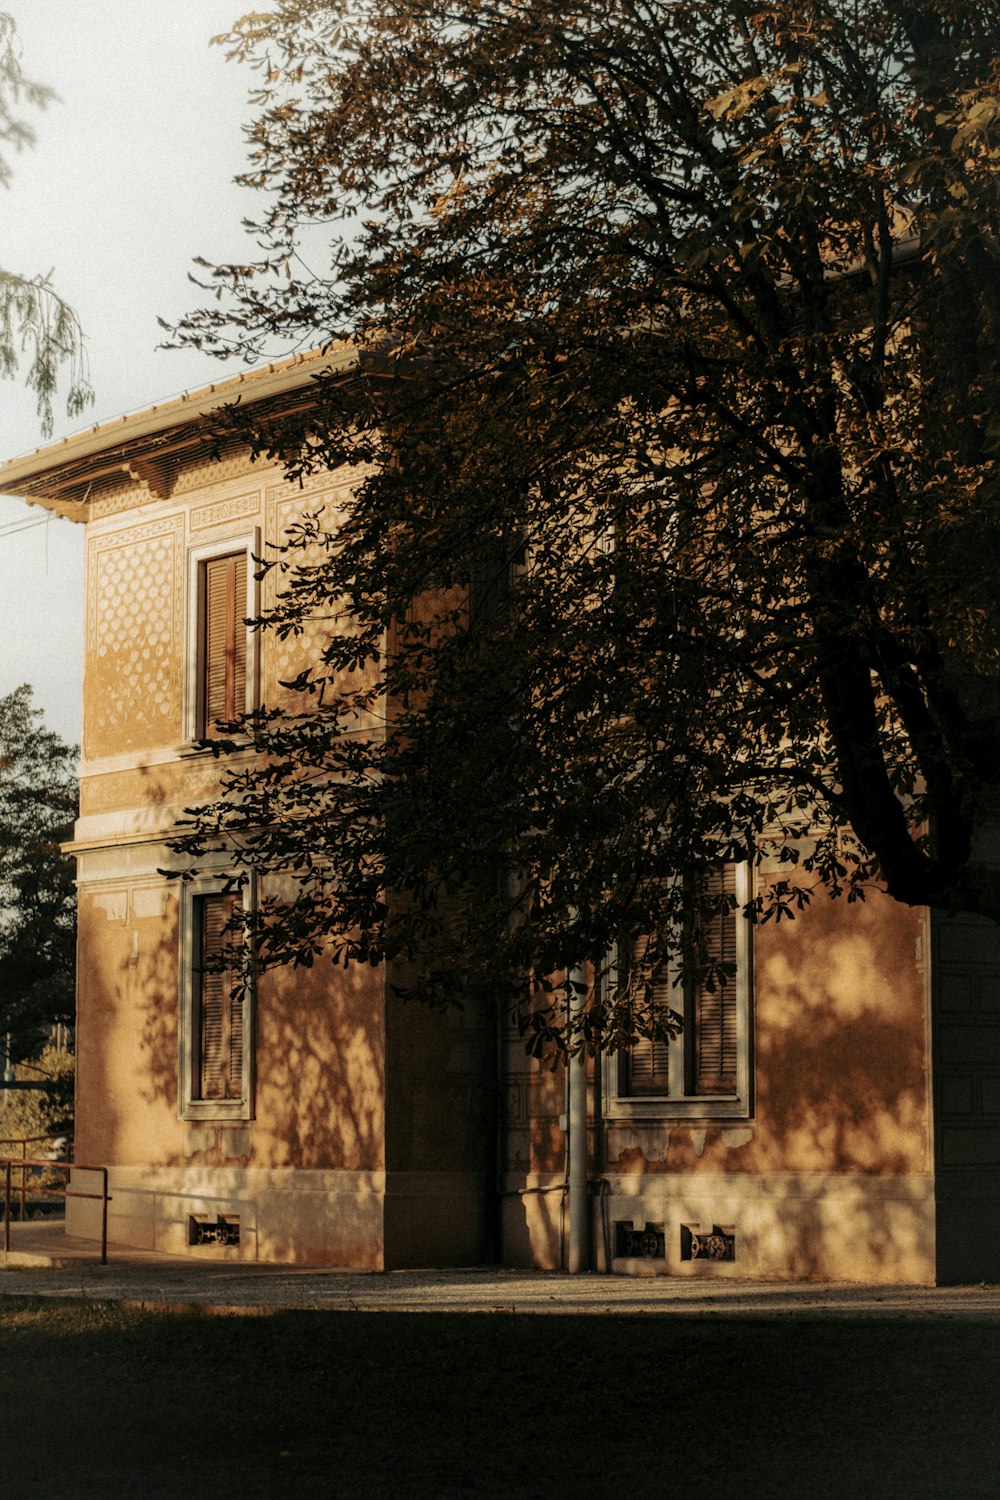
[134, 1276]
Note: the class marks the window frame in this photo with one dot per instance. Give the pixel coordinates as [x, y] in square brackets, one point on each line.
[619, 1104]
[195, 728]
[190, 1105]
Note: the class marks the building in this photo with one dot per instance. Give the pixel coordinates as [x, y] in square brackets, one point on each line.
[838, 1117]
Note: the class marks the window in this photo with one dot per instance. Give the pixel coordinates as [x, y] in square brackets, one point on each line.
[222, 670]
[217, 1007]
[223, 641]
[704, 1072]
[218, 1003]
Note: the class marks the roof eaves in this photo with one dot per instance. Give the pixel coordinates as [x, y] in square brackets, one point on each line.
[39, 477]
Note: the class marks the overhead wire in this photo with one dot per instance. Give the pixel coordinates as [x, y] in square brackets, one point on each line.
[22, 524]
[13, 527]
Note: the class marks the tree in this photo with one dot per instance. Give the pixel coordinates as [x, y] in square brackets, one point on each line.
[35, 323]
[675, 539]
[38, 800]
[46, 1110]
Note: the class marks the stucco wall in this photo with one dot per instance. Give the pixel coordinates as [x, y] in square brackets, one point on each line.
[841, 1049]
[318, 1100]
[831, 1174]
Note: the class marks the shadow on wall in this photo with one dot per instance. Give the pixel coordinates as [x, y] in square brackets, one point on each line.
[840, 1131]
[126, 1024]
[840, 1056]
[842, 1043]
[318, 1060]
[320, 1069]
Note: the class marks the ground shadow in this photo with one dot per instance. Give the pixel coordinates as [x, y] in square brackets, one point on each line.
[449, 1405]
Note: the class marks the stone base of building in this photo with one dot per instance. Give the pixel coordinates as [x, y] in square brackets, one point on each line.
[372, 1221]
[784, 1227]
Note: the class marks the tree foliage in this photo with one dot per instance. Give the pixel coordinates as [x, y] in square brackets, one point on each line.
[38, 800]
[38, 1114]
[675, 536]
[38, 330]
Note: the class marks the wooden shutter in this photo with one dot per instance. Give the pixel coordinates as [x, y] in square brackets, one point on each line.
[713, 1012]
[224, 641]
[707, 1051]
[649, 1059]
[219, 1074]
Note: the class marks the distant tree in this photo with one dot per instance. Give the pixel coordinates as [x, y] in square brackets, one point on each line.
[676, 532]
[38, 330]
[40, 1112]
[38, 800]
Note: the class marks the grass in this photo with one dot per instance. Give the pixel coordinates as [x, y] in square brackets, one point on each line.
[100, 1399]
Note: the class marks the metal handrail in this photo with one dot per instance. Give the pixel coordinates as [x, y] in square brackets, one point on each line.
[8, 1162]
[31, 1140]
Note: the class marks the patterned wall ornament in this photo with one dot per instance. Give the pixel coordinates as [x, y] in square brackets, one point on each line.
[282, 660]
[128, 496]
[224, 511]
[134, 610]
[208, 471]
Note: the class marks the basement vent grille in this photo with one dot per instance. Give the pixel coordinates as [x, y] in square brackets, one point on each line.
[635, 1241]
[717, 1244]
[225, 1230]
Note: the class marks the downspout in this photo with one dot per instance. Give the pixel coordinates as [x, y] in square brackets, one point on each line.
[577, 1259]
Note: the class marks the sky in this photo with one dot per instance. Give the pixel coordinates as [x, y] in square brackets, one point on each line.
[130, 178]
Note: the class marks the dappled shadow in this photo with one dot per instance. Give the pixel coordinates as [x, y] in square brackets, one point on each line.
[318, 1075]
[839, 1136]
[320, 1069]
[316, 1104]
[318, 1055]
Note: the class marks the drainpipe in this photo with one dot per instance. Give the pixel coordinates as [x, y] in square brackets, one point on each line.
[576, 1151]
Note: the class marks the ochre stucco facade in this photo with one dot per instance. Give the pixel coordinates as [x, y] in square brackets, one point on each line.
[831, 1174]
[376, 1135]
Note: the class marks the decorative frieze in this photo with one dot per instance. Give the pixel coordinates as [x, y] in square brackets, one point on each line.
[318, 488]
[172, 785]
[223, 511]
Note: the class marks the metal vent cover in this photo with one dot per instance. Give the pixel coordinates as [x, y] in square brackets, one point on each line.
[221, 1232]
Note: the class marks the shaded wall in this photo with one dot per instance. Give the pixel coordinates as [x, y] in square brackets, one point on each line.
[967, 1097]
[832, 1172]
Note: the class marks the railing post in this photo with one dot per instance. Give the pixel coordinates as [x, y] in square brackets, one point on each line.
[104, 1216]
[6, 1207]
[24, 1184]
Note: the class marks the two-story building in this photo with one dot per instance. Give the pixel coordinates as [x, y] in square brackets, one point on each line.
[837, 1116]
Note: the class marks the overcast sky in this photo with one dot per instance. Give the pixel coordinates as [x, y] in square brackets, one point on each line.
[130, 179]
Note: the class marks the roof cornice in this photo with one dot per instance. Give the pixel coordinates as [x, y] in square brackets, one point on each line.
[57, 476]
